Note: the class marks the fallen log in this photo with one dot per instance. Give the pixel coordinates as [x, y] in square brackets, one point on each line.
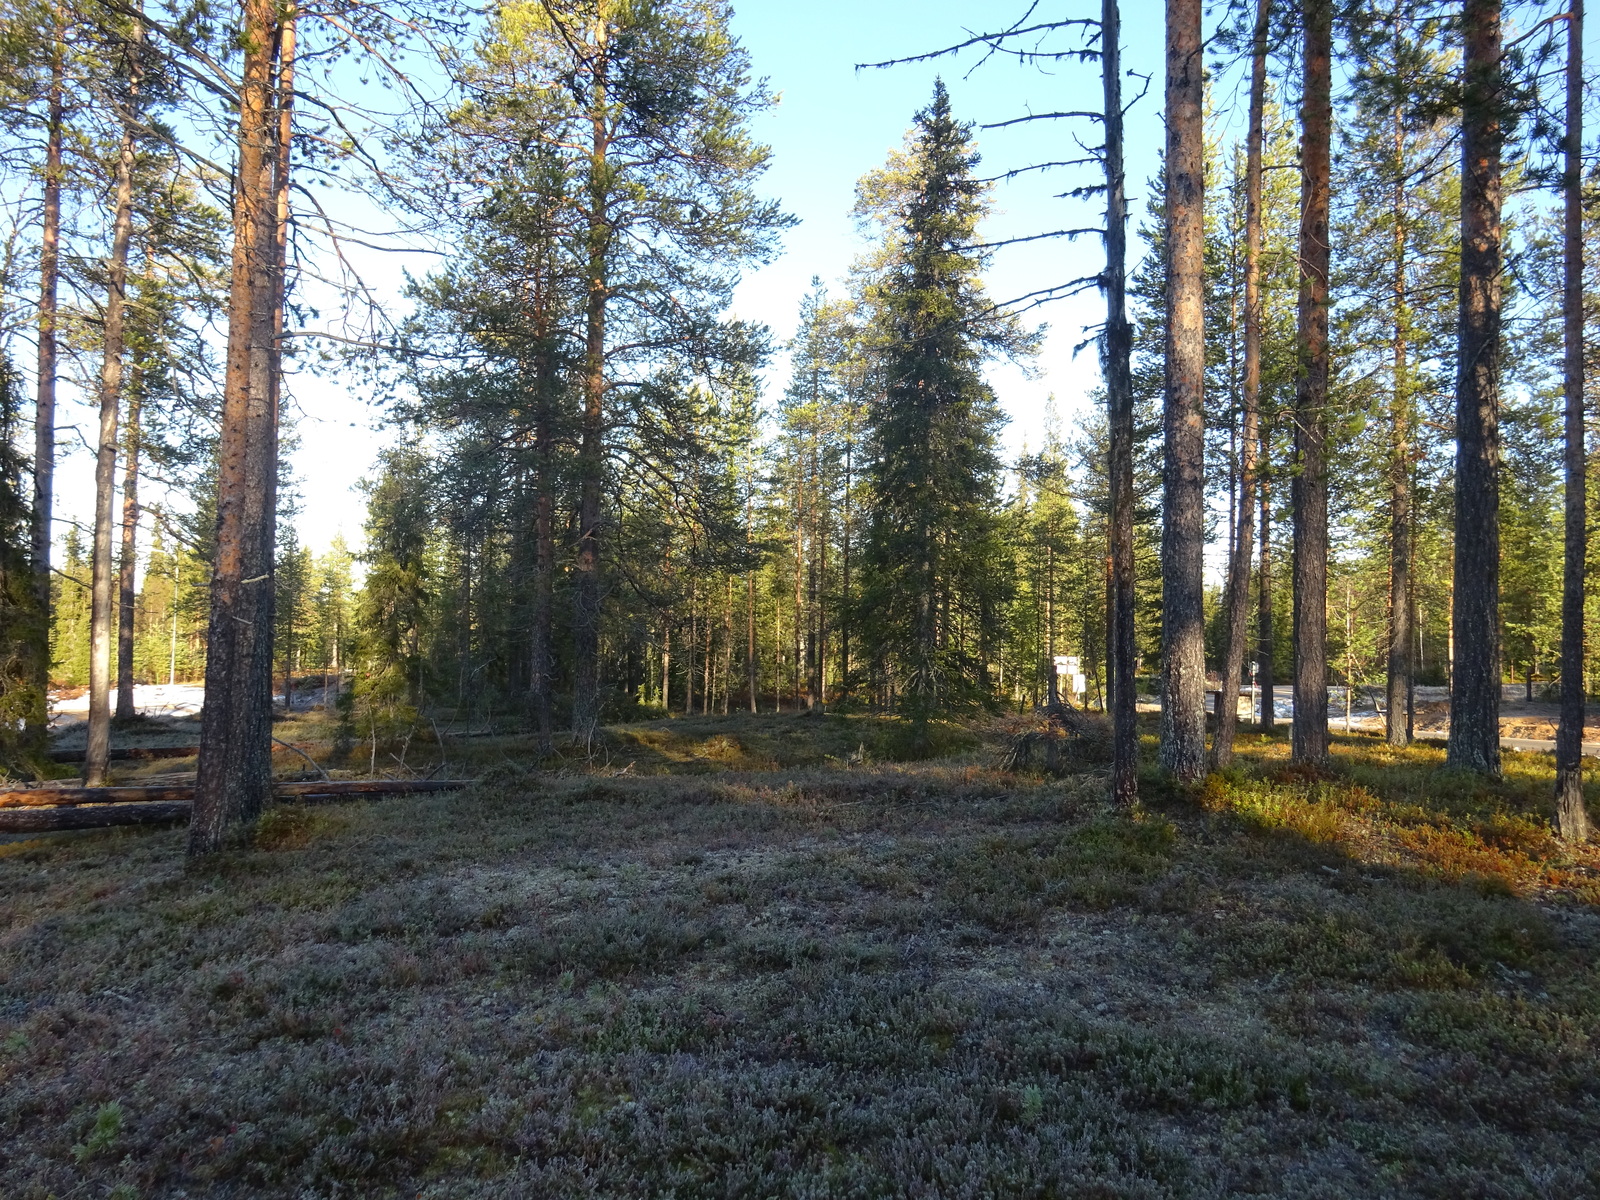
[184, 792]
[48, 797]
[145, 753]
[361, 787]
[95, 816]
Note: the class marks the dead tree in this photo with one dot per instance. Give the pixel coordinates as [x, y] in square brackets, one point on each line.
[1572, 818]
[1238, 594]
[1116, 364]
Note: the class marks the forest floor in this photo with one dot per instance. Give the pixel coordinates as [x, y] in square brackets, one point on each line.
[760, 957]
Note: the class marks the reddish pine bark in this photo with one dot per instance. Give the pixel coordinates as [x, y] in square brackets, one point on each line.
[1183, 668]
[232, 780]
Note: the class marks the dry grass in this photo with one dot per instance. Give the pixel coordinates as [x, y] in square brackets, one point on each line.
[767, 970]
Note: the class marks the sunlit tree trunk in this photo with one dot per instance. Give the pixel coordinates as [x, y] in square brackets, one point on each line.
[128, 558]
[232, 780]
[1265, 634]
[1572, 818]
[1475, 606]
[1400, 666]
[112, 325]
[1183, 666]
[752, 658]
[1238, 593]
[1309, 486]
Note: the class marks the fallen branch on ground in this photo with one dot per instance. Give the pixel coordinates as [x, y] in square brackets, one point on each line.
[89, 808]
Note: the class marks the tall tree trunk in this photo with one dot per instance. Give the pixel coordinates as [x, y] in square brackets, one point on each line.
[1183, 664]
[1238, 593]
[666, 663]
[543, 665]
[799, 575]
[1267, 645]
[1117, 343]
[846, 610]
[260, 507]
[128, 559]
[706, 698]
[272, 365]
[1400, 666]
[752, 659]
[1572, 818]
[1475, 607]
[819, 576]
[542, 658]
[232, 780]
[591, 444]
[752, 663]
[44, 417]
[727, 648]
[1309, 486]
[99, 745]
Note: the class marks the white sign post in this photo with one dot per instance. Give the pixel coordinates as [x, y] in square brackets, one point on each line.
[1070, 666]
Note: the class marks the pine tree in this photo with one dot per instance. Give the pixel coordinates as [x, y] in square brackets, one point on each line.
[1475, 677]
[235, 738]
[1183, 668]
[1309, 486]
[648, 105]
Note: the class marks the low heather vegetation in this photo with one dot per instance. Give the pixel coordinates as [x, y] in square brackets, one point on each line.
[761, 958]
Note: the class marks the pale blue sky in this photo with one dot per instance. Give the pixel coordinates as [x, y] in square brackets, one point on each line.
[832, 124]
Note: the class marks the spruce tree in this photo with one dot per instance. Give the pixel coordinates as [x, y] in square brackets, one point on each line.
[932, 539]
